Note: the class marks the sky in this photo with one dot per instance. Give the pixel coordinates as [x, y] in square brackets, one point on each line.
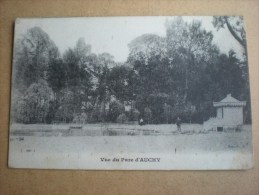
[113, 34]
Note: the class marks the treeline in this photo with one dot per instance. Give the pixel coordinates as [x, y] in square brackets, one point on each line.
[180, 74]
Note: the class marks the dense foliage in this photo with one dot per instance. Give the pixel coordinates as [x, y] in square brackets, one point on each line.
[178, 75]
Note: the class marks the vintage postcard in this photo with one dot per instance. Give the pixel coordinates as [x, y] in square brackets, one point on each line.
[131, 93]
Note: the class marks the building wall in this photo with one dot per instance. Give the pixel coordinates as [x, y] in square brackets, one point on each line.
[231, 115]
[219, 113]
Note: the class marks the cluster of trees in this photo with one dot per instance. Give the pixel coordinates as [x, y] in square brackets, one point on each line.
[180, 74]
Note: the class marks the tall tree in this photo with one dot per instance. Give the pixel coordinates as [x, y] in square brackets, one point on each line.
[78, 78]
[190, 48]
[82, 50]
[102, 70]
[120, 82]
[235, 25]
[150, 67]
[32, 57]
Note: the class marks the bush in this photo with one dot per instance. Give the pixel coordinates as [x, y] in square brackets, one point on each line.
[33, 106]
[116, 108]
[95, 115]
[80, 118]
[133, 115]
[122, 118]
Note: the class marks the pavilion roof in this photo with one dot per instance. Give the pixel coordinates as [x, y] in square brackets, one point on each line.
[229, 101]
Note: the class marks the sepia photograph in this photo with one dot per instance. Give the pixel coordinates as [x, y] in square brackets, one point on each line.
[131, 93]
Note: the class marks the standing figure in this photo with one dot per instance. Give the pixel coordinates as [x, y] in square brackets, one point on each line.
[178, 123]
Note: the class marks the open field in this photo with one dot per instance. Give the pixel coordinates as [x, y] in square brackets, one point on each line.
[52, 149]
[101, 129]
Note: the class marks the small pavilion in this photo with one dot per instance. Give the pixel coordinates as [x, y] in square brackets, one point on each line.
[229, 114]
